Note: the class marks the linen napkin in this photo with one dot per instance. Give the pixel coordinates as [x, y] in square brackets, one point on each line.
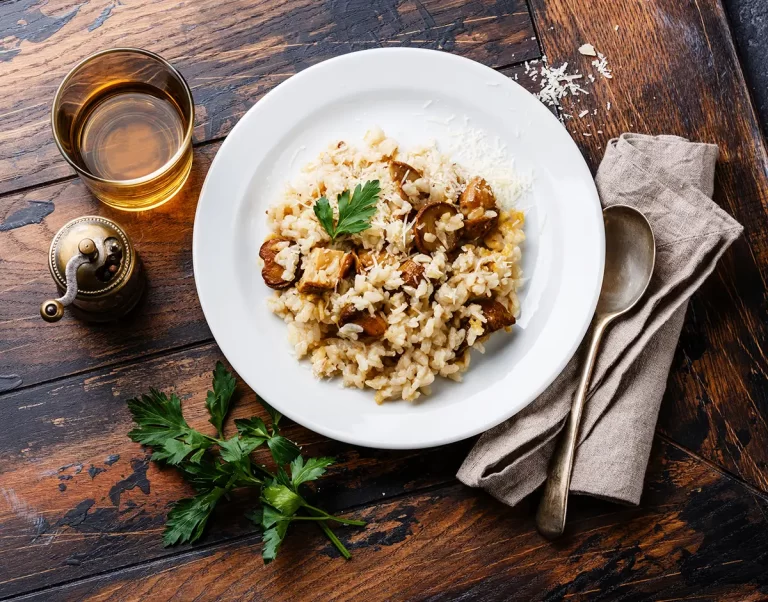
[670, 180]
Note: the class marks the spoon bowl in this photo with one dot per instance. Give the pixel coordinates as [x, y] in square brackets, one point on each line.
[630, 253]
[630, 256]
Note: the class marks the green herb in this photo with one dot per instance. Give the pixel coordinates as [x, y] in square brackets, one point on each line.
[215, 466]
[217, 400]
[355, 211]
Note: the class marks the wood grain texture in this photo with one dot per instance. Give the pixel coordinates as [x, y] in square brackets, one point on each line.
[77, 497]
[697, 535]
[168, 317]
[231, 52]
[675, 71]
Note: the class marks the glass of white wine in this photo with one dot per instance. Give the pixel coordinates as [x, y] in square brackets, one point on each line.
[123, 119]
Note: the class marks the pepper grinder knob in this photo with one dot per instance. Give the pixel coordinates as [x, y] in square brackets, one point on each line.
[87, 247]
[51, 310]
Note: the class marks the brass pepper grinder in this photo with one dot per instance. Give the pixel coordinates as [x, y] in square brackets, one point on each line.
[96, 270]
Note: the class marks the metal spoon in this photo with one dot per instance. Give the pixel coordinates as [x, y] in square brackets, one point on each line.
[630, 254]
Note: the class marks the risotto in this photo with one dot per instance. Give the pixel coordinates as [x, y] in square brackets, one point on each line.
[431, 273]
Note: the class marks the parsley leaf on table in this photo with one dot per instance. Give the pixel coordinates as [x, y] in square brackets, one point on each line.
[282, 499]
[217, 401]
[355, 210]
[235, 449]
[187, 518]
[312, 470]
[274, 415]
[160, 424]
[273, 537]
[252, 429]
[283, 450]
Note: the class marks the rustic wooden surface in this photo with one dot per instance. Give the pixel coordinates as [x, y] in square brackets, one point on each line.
[231, 53]
[82, 509]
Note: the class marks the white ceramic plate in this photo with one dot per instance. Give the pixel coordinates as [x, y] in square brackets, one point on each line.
[414, 96]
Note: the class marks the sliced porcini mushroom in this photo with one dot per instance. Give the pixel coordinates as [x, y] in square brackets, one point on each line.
[412, 273]
[402, 173]
[272, 272]
[426, 234]
[373, 326]
[496, 315]
[324, 269]
[478, 205]
[348, 265]
[367, 258]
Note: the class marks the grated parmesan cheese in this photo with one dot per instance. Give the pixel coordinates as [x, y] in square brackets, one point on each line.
[479, 154]
[556, 84]
[601, 64]
[584, 112]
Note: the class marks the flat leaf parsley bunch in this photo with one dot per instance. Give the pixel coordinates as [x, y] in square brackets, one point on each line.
[161, 425]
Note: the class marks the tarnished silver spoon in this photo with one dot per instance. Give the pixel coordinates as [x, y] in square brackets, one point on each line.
[630, 254]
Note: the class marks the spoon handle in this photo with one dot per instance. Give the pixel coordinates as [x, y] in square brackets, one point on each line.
[550, 517]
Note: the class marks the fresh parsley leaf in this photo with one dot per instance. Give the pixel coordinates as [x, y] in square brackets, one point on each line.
[273, 413]
[282, 499]
[228, 475]
[252, 428]
[355, 210]
[282, 477]
[312, 470]
[273, 537]
[283, 450]
[208, 475]
[270, 516]
[157, 418]
[174, 452]
[160, 423]
[217, 401]
[235, 449]
[355, 213]
[256, 516]
[324, 213]
[186, 520]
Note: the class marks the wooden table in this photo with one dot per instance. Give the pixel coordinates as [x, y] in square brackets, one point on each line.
[82, 508]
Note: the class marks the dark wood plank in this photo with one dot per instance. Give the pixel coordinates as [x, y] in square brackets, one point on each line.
[697, 535]
[676, 72]
[31, 350]
[231, 52]
[77, 497]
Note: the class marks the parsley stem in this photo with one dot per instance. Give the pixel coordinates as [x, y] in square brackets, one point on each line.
[264, 470]
[335, 540]
[343, 521]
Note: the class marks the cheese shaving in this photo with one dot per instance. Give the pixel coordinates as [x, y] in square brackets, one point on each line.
[601, 64]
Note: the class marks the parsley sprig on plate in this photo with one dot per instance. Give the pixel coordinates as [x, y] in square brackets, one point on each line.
[355, 210]
[215, 466]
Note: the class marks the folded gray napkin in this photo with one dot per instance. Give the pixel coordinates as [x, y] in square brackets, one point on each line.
[671, 181]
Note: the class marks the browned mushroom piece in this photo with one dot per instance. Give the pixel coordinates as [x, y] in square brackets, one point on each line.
[324, 270]
[476, 200]
[428, 239]
[401, 173]
[496, 315]
[373, 326]
[272, 272]
[412, 273]
[367, 258]
[348, 265]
